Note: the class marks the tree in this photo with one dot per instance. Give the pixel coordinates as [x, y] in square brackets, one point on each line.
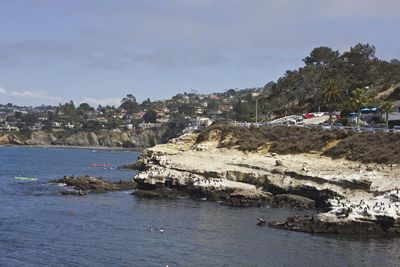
[186, 108]
[69, 110]
[146, 104]
[360, 66]
[129, 97]
[332, 96]
[85, 107]
[129, 104]
[395, 61]
[231, 92]
[243, 111]
[150, 116]
[322, 56]
[358, 100]
[387, 108]
[213, 104]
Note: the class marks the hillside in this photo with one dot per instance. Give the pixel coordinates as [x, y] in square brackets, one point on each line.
[379, 147]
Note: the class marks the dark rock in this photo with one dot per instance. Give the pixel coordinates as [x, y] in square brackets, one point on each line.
[320, 224]
[292, 201]
[73, 192]
[278, 162]
[159, 193]
[140, 165]
[86, 184]
[243, 198]
[320, 197]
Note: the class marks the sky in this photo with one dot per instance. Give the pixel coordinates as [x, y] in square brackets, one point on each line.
[97, 51]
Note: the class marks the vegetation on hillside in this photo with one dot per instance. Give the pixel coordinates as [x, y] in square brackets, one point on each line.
[365, 147]
[329, 79]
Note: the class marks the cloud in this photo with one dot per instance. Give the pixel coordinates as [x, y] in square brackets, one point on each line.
[111, 101]
[37, 95]
[180, 34]
[3, 91]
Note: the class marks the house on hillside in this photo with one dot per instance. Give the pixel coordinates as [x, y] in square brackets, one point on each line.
[36, 127]
[55, 124]
[149, 125]
[9, 128]
[69, 125]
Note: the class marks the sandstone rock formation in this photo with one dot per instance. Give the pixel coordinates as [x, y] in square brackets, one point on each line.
[350, 191]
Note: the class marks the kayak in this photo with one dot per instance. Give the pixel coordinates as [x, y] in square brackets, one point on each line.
[20, 178]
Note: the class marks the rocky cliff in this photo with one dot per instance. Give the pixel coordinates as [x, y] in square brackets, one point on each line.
[106, 138]
[353, 193]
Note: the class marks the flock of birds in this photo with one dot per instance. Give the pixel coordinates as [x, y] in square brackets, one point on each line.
[387, 204]
[183, 178]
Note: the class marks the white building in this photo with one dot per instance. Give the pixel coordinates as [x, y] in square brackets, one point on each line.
[69, 125]
[149, 125]
[55, 124]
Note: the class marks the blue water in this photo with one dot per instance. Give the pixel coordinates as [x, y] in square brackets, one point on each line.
[40, 227]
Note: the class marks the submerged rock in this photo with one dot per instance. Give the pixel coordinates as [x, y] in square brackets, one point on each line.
[159, 193]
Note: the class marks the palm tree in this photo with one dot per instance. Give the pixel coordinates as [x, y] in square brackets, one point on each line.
[387, 108]
[332, 96]
[358, 100]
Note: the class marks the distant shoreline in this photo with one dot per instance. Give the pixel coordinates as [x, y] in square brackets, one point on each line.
[136, 149]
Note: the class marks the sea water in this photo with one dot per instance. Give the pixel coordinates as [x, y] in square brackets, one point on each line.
[41, 227]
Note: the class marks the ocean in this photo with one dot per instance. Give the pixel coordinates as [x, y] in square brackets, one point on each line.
[41, 227]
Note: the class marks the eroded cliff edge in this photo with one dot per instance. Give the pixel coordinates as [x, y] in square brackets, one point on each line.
[139, 138]
[357, 197]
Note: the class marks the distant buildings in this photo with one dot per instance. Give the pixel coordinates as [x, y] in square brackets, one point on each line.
[149, 125]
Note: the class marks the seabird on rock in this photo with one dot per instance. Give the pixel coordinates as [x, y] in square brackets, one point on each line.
[261, 222]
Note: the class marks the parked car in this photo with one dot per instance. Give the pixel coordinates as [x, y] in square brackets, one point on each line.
[396, 129]
[308, 116]
[367, 128]
[381, 128]
[338, 125]
[318, 114]
[325, 125]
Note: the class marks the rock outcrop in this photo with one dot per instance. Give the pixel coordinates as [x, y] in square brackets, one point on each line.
[82, 185]
[352, 192]
[330, 224]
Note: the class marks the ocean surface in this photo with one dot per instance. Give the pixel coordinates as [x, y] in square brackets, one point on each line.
[41, 227]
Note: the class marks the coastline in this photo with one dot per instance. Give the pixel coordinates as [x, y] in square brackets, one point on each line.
[353, 197]
[136, 149]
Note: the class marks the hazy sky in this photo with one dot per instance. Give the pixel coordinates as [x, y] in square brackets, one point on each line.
[97, 51]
